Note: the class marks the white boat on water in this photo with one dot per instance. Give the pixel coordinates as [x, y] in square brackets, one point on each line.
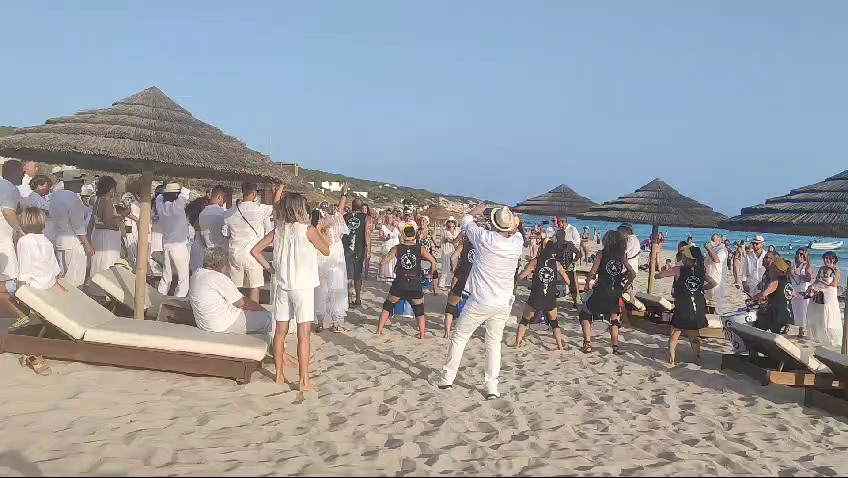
[825, 246]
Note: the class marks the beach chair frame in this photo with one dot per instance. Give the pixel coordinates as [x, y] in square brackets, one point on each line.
[640, 320]
[833, 401]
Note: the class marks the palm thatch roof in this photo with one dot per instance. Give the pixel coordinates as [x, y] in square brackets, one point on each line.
[146, 130]
[656, 203]
[559, 201]
[819, 209]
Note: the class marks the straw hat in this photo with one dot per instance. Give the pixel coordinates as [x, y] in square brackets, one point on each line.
[72, 175]
[759, 239]
[502, 219]
[781, 264]
[450, 219]
[87, 190]
[172, 188]
[57, 170]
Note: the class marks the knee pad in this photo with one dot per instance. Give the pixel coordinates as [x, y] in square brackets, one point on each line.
[554, 323]
[615, 323]
[524, 322]
[388, 306]
[451, 309]
[418, 309]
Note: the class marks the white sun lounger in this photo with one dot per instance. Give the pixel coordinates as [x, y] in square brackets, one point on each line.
[772, 358]
[834, 401]
[97, 336]
[118, 282]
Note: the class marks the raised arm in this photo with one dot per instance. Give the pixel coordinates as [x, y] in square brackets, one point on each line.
[343, 200]
[279, 193]
[317, 240]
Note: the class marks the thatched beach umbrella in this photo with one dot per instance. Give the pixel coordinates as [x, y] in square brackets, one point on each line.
[560, 201]
[819, 209]
[145, 133]
[656, 203]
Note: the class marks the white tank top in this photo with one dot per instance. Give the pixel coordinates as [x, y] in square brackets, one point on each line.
[295, 258]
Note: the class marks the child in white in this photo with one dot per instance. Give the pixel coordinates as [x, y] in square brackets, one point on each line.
[37, 264]
[296, 246]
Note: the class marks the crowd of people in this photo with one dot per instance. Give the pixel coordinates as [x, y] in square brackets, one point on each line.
[218, 257]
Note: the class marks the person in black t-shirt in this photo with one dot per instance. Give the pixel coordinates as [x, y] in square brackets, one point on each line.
[461, 262]
[407, 283]
[357, 246]
[543, 291]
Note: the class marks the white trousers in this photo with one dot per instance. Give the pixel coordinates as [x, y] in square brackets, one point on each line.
[176, 260]
[72, 264]
[472, 316]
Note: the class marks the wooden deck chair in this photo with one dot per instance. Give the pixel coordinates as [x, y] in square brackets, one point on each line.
[772, 358]
[656, 317]
[118, 282]
[79, 329]
[836, 400]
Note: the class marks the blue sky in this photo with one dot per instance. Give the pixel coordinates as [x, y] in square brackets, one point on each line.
[730, 102]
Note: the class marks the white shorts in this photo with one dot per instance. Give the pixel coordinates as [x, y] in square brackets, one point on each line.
[251, 322]
[247, 277]
[297, 305]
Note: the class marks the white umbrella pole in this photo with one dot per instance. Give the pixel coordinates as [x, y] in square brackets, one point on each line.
[143, 244]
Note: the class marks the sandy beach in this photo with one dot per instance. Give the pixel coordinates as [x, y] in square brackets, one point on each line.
[376, 413]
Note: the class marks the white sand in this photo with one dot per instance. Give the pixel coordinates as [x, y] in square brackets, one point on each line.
[376, 413]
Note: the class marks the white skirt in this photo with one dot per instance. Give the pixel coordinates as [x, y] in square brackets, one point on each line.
[107, 250]
[445, 274]
[799, 310]
[331, 301]
[824, 321]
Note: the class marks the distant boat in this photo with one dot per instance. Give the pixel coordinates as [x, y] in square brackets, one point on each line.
[825, 246]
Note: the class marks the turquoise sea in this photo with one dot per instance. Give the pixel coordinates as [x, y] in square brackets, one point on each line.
[700, 236]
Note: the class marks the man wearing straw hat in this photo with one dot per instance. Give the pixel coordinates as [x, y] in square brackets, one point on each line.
[753, 266]
[491, 292]
[67, 213]
[170, 206]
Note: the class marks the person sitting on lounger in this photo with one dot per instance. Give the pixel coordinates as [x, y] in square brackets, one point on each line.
[218, 305]
[775, 312]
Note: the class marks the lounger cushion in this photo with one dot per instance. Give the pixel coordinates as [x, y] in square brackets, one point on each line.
[714, 322]
[177, 338]
[119, 283]
[72, 312]
[805, 358]
[835, 357]
[651, 300]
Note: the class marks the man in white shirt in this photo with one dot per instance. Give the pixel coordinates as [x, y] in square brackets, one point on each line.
[30, 170]
[218, 305]
[572, 235]
[633, 246]
[714, 265]
[57, 176]
[491, 292]
[67, 214]
[753, 267]
[211, 219]
[245, 224]
[170, 207]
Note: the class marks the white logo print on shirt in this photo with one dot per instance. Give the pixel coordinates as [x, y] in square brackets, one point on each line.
[408, 260]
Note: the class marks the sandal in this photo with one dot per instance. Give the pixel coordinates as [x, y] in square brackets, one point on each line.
[587, 347]
[616, 351]
[20, 322]
[37, 364]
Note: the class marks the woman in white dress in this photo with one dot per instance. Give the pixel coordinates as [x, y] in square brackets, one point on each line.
[129, 201]
[331, 302]
[802, 276]
[390, 235]
[104, 227]
[448, 248]
[824, 321]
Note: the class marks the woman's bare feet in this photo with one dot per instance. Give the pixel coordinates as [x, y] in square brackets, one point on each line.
[280, 379]
[306, 387]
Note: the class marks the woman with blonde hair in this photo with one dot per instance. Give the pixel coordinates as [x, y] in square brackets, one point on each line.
[802, 276]
[295, 268]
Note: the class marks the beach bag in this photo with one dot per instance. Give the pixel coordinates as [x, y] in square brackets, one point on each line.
[818, 297]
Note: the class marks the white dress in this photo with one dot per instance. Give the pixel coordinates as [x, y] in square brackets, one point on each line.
[448, 248]
[799, 302]
[392, 235]
[824, 321]
[106, 243]
[331, 301]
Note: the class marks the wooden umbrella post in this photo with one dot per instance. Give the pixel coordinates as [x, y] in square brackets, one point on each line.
[652, 263]
[845, 333]
[143, 244]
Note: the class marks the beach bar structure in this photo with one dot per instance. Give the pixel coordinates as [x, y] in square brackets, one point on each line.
[655, 203]
[147, 134]
[820, 209]
[560, 201]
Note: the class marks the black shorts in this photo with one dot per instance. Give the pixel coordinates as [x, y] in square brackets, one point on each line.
[459, 287]
[406, 294]
[354, 264]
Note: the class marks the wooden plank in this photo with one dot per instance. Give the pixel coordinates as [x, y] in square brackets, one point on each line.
[763, 370]
[832, 401]
[130, 357]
